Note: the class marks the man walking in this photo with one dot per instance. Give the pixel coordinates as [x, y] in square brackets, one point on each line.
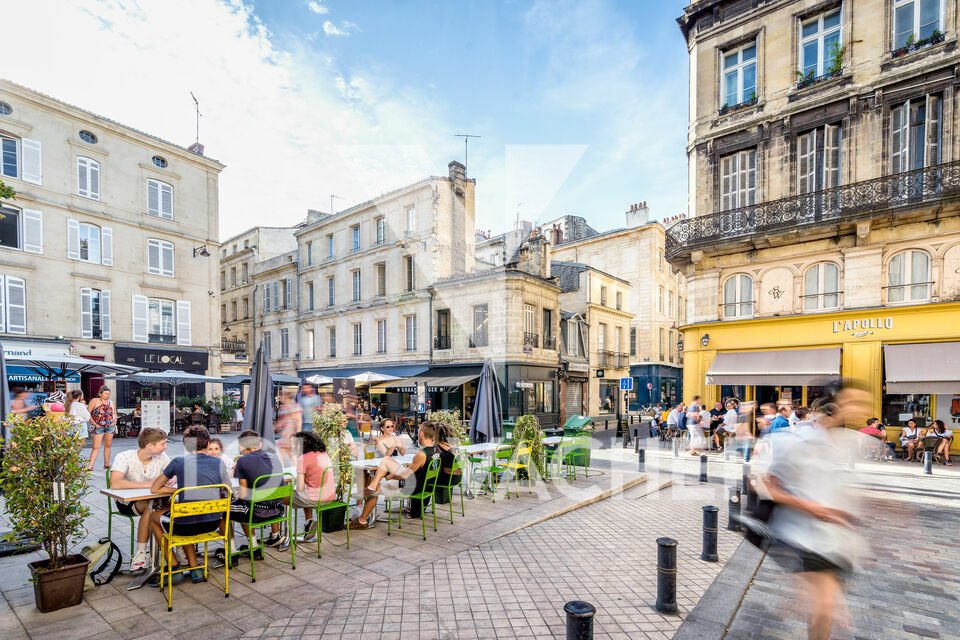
[309, 401]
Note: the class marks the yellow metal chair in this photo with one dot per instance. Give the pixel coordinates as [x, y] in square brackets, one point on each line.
[520, 460]
[221, 507]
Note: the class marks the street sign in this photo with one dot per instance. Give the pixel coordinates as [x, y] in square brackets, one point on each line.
[599, 373]
[631, 396]
[626, 384]
[649, 386]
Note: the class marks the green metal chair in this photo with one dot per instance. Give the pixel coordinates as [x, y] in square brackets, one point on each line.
[500, 460]
[426, 491]
[329, 506]
[113, 511]
[579, 454]
[258, 494]
[459, 463]
[559, 462]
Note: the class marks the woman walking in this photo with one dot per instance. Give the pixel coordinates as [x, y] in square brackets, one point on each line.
[103, 424]
[289, 421]
[76, 408]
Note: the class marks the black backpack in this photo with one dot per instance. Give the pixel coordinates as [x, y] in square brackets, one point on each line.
[106, 559]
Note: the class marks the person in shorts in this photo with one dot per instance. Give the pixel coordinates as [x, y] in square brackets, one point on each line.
[103, 424]
[253, 463]
[195, 469]
[312, 486]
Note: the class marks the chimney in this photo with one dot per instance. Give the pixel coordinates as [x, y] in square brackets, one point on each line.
[638, 215]
[534, 256]
[458, 176]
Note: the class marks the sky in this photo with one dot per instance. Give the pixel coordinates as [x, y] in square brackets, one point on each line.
[581, 106]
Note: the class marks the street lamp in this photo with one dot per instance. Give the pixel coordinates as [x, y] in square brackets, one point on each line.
[705, 340]
[201, 251]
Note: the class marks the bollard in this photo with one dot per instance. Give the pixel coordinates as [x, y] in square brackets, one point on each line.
[676, 446]
[928, 462]
[711, 518]
[745, 478]
[642, 459]
[666, 575]
[703, 468]
[733, 511]
[636, 442]
[579, 620]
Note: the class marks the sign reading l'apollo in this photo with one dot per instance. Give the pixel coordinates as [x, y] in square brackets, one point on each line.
[863, 326]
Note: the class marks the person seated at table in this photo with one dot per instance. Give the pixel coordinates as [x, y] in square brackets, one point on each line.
[388, 443]
[944, 441]
[215, 450]
[374, 411]
[728, 427]
[137, 469]
[253, 463]
[137, 411]
[197, 415]
[909, 439]
[310, 452]
[889, 448]
[390, 473]
[195, 469]
[781, 421]
[447, 445]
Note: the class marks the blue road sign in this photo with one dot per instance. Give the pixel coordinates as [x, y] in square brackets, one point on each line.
[626, 384]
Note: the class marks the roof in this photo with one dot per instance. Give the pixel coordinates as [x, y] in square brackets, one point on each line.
[504, 271]
[604, 234]
[568, 273]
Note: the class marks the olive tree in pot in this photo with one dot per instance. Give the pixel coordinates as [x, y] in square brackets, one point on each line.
[44, 481]
[331, 425]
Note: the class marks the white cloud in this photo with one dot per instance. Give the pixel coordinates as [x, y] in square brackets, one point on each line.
[343, 31]
[317, 8]
[290, 125]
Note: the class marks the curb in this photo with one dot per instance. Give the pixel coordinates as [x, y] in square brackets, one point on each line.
[719, 604]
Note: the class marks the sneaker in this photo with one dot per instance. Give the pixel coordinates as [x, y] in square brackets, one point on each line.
[139, 560]
[308, 526]
[274, 540]
[310, 536]
[257, 553]
[154, 580]
[356, 524]
[196, 575]
[284, 544]
[180, 555]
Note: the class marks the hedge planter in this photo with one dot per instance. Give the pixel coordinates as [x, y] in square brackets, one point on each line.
[58, 588]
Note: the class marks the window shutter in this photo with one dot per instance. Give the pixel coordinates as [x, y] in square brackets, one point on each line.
[289, 293]
[276, 295]
[728, 181]
[106, 246]
[73, 239]
[32, 168]
[167, 251]
[933, 131]
[32, 231]
[16, 305]
[831, 156]
[3, 298]
[94, 184]
[806, 181]
[266, 298]
[184, 336]
[153, 198]
[83, 177]
[105, 315]
[140, 304]
[166, 201]
[86, 313]
[898, 139]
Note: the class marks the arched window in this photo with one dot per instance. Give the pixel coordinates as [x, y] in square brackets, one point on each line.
[738, 297]
[908, 277]
[88, 137]
[821, 287]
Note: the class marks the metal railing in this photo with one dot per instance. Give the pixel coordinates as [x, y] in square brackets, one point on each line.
[233, 346]
[441, 342]
[613, 359]
[161, 338]
[550, 342]
[531, 340]
[846, 203]
[479, 340]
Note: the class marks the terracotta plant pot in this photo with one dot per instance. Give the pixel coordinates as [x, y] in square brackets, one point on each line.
[58, 589]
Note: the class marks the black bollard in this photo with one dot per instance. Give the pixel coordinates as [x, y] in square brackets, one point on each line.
[745, 478]
[579, 620]
[711, 517]
[703, 468]
[666, 575]
[733, 512]
[642, 459]
[928, 462]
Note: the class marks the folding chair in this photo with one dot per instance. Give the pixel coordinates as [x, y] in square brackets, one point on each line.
[261, 493]
[328, 506]
[520, 460]
[426, 491]
[459, 463]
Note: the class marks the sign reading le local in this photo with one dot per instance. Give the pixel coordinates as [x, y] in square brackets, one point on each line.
[863, 326]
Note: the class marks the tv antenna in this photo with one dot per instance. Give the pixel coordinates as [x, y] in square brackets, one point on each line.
[196, 106]
[466, 143]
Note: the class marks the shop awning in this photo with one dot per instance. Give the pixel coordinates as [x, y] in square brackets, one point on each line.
[770, 368]
[435, 384]
[922, 368]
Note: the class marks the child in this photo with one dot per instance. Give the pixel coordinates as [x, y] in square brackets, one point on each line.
[253, 463]
[215, 450]
[312, 461]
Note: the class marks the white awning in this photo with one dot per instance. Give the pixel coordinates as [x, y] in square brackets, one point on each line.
[922, 368]
[801, 367]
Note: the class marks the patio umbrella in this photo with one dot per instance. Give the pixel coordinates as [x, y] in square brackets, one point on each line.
[278, 378]
[58, 367]
[258, 414]
[371, 377]
[318, 379]
[172, 377]
[485, 420]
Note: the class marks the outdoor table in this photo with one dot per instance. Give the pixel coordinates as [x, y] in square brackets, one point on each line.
[373, 463]
[133, 495]
[551, 440]
[483, 449]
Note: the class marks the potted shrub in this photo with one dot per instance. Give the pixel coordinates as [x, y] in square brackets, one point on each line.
[528, 429]
[331, 425]
[452, 420]
[44, 481]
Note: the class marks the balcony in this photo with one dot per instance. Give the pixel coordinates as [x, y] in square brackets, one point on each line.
[441, 342]
[478, 340]
[844, 204]
[613, 360]
[531, 340]
[161, 338]
[233, 346]
[550, 342]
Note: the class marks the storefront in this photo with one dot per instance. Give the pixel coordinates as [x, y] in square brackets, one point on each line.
[653, 383]
[443, 388]
[29, 380]
[573, 389]
[903, 356]
[157, 358]
[533, 390]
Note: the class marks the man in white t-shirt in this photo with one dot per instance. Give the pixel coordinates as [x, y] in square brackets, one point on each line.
[137, 469]
[695, 427]
[672, 419]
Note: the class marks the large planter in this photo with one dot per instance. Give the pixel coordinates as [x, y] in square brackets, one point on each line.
[332, 520]
[58, 589]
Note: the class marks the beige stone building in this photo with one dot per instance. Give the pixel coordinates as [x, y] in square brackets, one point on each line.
[825, 241]
[108, 249]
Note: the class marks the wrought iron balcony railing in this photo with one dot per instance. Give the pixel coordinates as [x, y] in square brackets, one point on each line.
[441, 342]
[233, 346]
[531, 340]
[478, 340]
[846, 203]
[612, 359]
[550, 342]
[161, 338]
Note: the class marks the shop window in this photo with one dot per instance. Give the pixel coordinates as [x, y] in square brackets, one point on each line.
[898, 408]
[908, 277]
[821, 287]
[738, 297]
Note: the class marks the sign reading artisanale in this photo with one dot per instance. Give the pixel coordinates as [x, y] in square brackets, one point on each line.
[863, 326]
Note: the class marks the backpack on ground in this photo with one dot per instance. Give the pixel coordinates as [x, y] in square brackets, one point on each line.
[106, 559]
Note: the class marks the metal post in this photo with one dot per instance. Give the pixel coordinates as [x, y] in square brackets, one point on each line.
[711, 517]
[666, 575]
[579, 620]
[928, 462]
[642, 459]
[745, 479]
[733, 511]
[703, 468]
[676, 446]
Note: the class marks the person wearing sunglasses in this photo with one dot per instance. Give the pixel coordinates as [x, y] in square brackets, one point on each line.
[388, 443]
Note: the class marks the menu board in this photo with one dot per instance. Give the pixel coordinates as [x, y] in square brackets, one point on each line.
[155, 414]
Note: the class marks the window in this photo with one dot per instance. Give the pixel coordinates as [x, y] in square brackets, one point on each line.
[329, 246]
[915, 21]
[246, 308]
[908, 277]
[309, 287]
[21, 159]
[916, 133]
[670, 304]
[633, 341]
[619, 300]
[602, 338]
[480, 336]
[381, 227]
[267, 345]
[821, 287]
[223, 280]
[244, 273]
[332, 342]
[223, 313]
[739, 76]
[818, 159]
[660, 260]
[11, 157]
[547, 317]
[663, 343]
[738, 297]
[94, 314]
[618, 339]
[409, 272]
[159, 161]
[13, 305]
[603, 296]
[738, 179]
[310, 345]
[331, 292]
[88, 137]
[233, 276]
[355, 238]
[410, 330]
[357, 339]
[381, 336]
[355, 276]
[161, 321]
[529, 318]
[381, 279]
[88, 178]
[160, 199]
[284, 343]
[234, 315]
[160, 257]
[5, 109]
[820, 42]
[10, 228]
[442, 340]
[309, 252]
[89, 243]
[411, 221]
[573, 337]
[246, 243]
[660, 299]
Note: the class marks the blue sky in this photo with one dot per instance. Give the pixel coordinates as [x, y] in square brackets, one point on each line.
[582, 105]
